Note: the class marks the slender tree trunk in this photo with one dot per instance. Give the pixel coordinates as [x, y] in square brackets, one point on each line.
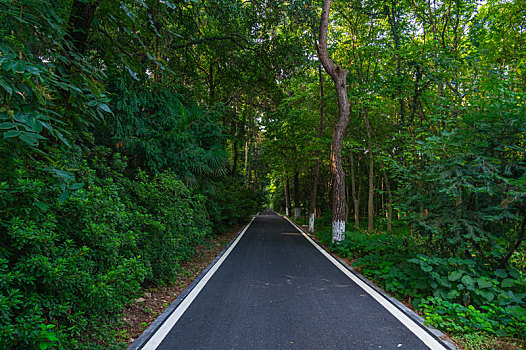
[297, 209]
[370, 203]
[393, 20]
[288, 207]
[389, 199]
[234, 166]
[79, 24]
[516, 246]
[246, 153]
[388, 190]
[339, 76]
[314, 193]
[80, 21]
[355, 200]
[256, 161]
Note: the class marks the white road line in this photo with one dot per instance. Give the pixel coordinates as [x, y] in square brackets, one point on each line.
[161, 333]
[402, 317]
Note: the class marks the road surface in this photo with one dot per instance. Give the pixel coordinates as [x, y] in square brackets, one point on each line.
[274, 289]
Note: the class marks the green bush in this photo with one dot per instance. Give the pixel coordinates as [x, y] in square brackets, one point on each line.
[490, 318]
[75, 248]
[229, 203]
[171, 221]
[447, 289]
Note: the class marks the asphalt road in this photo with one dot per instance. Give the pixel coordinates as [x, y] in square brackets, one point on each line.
[275, 290]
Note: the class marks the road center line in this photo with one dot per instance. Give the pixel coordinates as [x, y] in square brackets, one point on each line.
[425, 337]
[165, 328]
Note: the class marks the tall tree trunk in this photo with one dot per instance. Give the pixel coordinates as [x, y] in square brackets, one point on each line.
[314, 193]
[79, 24]
[516, 246]
[370, 203]
[256, 161]
[234, 166]
[80, 21]
[393, 18]
[288, 207]
[387, 188]
[297, 209]
[339, 76]
[389, 198]
[355, 200]
[236, 129]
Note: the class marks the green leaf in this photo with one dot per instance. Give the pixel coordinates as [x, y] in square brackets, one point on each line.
[452, 294]
[41, 205]
[63, 139]
[20, 117]
[104, 107]
[507, 283]
[63, 174]
[445, 281]
[11, 133]
[6, 87]
[76, 186]
[501, 273]
[455, 275]
[7, 125]
[486, 294]
[29, 139]
[468, 282]
[133, 74]
[484, 282]
[63, 196]
[515, 273]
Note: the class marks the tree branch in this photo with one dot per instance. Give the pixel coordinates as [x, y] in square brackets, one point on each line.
[213, 38]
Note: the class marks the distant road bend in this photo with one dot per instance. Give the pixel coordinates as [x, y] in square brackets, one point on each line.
[275, 289]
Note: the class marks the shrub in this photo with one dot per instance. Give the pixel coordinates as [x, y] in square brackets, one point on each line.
[447, 289]
[74, 249]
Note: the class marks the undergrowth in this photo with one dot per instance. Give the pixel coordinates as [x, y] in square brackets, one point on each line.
[461, 296]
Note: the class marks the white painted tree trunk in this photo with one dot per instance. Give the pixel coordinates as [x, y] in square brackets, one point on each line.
[287, 212]
[297, 213]
[311, 222]
[338, 228]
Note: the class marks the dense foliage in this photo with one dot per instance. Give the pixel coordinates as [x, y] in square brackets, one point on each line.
[69, 265]
[130, 130]
[434, 154]
[114, 157]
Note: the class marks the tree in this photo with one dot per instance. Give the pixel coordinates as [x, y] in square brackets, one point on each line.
[339, 76]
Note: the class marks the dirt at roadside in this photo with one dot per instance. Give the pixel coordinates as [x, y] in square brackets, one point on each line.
[138, 315]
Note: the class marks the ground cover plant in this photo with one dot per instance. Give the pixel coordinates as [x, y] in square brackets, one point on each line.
[460, 296]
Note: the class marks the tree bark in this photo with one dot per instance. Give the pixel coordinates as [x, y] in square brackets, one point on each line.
[288, 207]
[314, 193]
[234, 166]
[297, 209]
[355, 200]
[389, 198]
[339, 76]
[370, 202]
[393, 20]
[505, 259]
[387, 188]
[79, 24]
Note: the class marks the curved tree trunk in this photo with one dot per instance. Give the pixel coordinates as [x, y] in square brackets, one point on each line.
[339, 76]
